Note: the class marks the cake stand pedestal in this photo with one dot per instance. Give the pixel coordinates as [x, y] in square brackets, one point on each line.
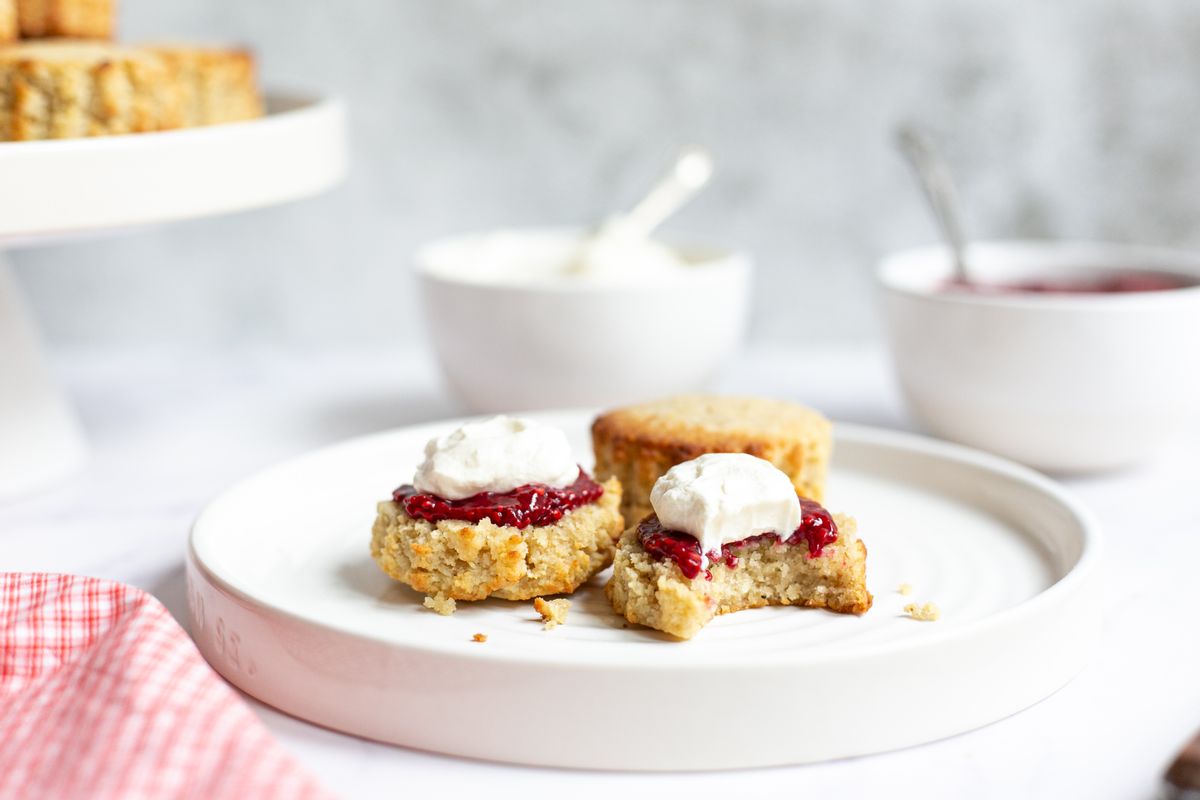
[56, 190]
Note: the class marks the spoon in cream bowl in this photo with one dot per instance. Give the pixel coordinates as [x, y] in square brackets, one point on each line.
[625, 238]
[595, 315]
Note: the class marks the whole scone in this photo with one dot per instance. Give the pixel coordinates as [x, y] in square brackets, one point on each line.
[216, 84]
[454, 560]
[8, 20]
[61, 89]
[638, 444]
[77, 19]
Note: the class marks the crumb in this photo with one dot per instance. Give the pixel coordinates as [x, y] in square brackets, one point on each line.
[554, 612]
[442, 605]
[905, 589]
[479, 637]
[925, 613]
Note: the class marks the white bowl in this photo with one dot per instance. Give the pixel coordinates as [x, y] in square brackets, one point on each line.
[1065, 383]
[555, 341]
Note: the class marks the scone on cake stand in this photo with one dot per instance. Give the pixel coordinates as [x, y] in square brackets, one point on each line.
[66, 188]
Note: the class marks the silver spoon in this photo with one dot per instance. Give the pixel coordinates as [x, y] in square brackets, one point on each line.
[938, 185]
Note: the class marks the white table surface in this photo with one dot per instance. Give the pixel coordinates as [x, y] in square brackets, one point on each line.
[171, 430]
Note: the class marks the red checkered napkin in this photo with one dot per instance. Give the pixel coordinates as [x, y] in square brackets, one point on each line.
[103, 695]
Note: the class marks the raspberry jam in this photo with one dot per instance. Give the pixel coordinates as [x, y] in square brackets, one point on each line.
[531, 504]
[1114, 282]
[817, 530]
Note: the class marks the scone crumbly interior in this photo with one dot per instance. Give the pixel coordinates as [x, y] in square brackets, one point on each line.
[655, 593]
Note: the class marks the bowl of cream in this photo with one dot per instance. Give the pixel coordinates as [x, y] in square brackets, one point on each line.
[550, 318]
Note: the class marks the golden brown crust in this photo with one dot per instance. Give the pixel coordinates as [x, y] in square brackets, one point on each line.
[654, 593]
[637, 444]
[453, 560]
[77, 19]
[62, 89]
[216, 84]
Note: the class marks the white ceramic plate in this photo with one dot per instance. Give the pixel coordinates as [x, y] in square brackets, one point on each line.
[286, 603]
[76, 186]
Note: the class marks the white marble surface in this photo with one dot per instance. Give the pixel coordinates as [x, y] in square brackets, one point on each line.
[1073, 118]
[169, 431]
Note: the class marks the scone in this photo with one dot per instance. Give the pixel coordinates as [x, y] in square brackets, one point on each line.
[78, 19]
[497, 509]
[8, 21]
[216, 84]
[63, 89]
[638, 444]
[728, 535]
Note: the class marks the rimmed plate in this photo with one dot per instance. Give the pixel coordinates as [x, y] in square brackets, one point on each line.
[287, 604]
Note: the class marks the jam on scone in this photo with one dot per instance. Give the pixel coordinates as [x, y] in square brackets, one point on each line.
[637, 444]
[498, 508]
[728, 532]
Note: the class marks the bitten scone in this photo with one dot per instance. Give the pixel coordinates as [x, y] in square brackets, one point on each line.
[638, 444]
[216, 84]
[498, 508]
[728, 534]
[64, 89]
[654, 592]
[78, 19]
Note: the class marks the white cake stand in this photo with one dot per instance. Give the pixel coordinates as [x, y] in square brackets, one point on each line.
[59, 189]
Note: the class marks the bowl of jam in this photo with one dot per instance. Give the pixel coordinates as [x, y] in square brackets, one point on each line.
[1067, 356]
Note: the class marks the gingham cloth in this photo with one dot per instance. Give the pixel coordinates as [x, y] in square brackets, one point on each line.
[103, 695]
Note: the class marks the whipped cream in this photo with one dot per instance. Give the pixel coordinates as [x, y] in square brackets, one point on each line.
[495, 455]
[726, 497]
[613, 253]
[513, 256]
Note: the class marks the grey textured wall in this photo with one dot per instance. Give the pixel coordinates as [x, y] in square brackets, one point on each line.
[1075, 118]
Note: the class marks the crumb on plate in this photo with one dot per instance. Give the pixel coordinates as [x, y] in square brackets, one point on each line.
[479, 637]
[927, 612]
[554, 612]
[442, 605]
[905, 589]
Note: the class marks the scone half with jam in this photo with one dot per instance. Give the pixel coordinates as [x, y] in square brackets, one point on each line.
[498, 508]
[728, 532]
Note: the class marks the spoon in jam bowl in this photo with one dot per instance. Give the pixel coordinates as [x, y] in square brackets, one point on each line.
[937, 182]
[688, 174]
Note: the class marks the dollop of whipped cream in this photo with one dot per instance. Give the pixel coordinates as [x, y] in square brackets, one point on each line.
[726, 497]
[495, 455]
[608, 256]
[613, 253]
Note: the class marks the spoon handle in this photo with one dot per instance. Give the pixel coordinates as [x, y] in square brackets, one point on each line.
[938, 185]
[691, 171]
